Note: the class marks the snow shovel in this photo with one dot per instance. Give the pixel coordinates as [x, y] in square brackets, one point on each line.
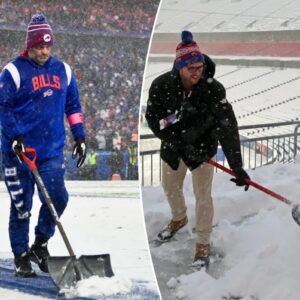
[295, 209]
[66, 271]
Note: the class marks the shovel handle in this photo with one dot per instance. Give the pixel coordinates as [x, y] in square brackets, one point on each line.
[32, 165]
[252, 183]
[25, 157]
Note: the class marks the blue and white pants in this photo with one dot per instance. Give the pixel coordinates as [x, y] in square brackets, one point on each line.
[20, 184]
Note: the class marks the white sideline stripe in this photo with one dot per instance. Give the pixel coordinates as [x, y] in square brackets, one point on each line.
[69, 72]
[12, 69]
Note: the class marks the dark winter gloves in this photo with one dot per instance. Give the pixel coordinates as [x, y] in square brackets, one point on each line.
[18, 146]
[79, 150]
[240, 176]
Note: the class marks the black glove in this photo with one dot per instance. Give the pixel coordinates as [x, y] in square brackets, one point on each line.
[240, 175]
[18, 146]
[79, 150]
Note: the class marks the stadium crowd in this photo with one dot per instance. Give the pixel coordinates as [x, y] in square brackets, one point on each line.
[112, 16]
[108, 68]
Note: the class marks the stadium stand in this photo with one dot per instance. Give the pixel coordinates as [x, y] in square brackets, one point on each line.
[228, 15]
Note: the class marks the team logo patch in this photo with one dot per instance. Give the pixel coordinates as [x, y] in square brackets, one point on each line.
[47, 37]
[48, 93]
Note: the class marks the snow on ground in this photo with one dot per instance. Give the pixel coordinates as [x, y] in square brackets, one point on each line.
[95, 286]
[254, 232]
[6, 294]
[101, 217]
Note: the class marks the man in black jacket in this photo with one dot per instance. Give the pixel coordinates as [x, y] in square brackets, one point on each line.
[188, 111]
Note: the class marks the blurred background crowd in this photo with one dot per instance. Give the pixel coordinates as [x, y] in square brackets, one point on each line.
[111, 16]
[105, 43]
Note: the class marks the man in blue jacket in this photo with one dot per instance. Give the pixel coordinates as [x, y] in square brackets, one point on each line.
[36, 91]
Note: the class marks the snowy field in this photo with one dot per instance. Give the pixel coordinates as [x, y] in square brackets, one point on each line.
[228, 15]
[255, 234]
[102, 217]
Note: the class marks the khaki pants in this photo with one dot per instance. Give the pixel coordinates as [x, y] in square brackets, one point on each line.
[202, 176]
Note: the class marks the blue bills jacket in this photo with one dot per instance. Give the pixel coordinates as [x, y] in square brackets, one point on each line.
[33, 102]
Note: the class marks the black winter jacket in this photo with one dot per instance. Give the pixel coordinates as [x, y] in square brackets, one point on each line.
[190, 127]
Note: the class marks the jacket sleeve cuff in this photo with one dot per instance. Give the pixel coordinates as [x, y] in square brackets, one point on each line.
[78, 131]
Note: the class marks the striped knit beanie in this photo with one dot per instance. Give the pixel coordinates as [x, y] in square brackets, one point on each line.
[187, 52]
[39, 32]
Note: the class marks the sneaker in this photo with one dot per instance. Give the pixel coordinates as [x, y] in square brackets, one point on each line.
[23, 265]
[201, 259]
[168, 232]
[39, 254]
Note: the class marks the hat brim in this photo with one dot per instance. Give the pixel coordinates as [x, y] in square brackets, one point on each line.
[189, 60]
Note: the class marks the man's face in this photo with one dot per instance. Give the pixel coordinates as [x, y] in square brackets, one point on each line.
[191, 73]
[40, 54]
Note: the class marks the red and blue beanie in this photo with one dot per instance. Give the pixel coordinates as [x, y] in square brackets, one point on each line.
[187, 52]
[39, 32]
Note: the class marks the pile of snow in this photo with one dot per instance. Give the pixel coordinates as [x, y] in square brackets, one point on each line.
[96, 286]
[254, 232]
[101, 217]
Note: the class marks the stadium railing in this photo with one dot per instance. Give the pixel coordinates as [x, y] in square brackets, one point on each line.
[256, 151]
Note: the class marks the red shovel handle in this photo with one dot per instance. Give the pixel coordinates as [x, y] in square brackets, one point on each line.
[29, 161]
[252, 183]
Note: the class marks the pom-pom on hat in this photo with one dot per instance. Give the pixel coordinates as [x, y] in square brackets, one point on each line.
[39, 32]
[187, 52]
